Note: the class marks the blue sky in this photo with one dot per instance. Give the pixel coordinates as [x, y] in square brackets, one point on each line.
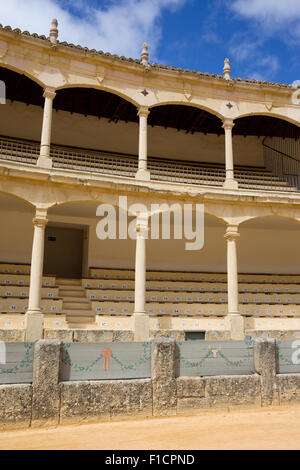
[261, 37]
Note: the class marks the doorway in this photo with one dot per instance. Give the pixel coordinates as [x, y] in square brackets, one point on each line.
[63, 255]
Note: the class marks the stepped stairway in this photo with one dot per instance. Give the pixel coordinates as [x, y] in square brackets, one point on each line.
[76, 306]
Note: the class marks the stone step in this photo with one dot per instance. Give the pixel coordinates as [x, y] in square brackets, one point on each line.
[75, 299]
[80, 321]
[60, 282]
[78, 313]
[76, 305]
[82, 326]
[67, 292]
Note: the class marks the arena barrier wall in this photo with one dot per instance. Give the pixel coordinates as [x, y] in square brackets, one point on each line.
[51, 382]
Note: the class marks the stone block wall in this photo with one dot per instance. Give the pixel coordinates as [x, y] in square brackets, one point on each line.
[49, 402]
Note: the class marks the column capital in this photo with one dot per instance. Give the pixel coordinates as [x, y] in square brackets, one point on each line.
[49, 93]
[143, 111]
[232, 232]
[40, 222]
[228, 123]
[40, 219]
[142, 225]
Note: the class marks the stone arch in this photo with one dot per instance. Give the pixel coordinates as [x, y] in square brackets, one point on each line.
[94, 86]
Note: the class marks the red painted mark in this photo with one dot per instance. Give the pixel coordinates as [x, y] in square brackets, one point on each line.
[106, 354]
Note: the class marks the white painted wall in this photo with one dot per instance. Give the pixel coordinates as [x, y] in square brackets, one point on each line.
[273, 249]
[16, 236]
[20, 120]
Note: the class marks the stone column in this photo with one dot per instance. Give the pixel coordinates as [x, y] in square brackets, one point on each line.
[143, 173]
[45, 385]
[230, 182]
[44, 159]
[266, 365]
[140, 317]
[163, 375]
[235, 321]
[34, 317]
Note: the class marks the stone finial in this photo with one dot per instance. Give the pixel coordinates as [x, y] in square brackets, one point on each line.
[226, 69]
[145, 55]
[54, 31]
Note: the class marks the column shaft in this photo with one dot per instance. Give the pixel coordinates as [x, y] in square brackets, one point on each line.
[232, 270]
[34, 317]
[44, 159]
[37, 261]
[234, 321]
[230, 182]
[140, 318]
[142, 172]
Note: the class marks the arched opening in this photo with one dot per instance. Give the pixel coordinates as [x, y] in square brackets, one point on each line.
[20, 117]
[16, 230]
[162, 254]
[186, 133]
[278, 151]
[95, 127]
[269, 245]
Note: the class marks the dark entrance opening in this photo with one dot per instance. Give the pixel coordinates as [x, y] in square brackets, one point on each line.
[63, 252]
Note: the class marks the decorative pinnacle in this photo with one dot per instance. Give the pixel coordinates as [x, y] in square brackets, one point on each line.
[54, 31]
[226, 69]
[145, 55]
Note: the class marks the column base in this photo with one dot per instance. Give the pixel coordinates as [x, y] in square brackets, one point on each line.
[235, 323]
[143, 175]
[34, 323]
[230, 184]
[141, 326]
[44, 162]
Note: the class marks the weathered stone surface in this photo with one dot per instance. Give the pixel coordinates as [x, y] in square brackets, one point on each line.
[15, 406]
[163, 376]
[131, 398]
[45, 399]
[177, 335]
[123, 336]
[289, 388]
[233, 390]
[215, 335]
[276, 334]
[66, 336]
[188, 387]
[104, 400]
[163, 359]
[93, 336]
[192, 405]
[12, 336]
[265, 364]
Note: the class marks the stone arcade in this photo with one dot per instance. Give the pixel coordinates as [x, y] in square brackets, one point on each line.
[80, 128]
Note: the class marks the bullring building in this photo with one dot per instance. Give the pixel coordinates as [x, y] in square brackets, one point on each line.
[81, 128]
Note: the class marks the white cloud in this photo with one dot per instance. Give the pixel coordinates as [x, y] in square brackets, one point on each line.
[278, 11]
[121, 27]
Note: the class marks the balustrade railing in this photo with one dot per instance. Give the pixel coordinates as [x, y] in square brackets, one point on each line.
[194, 173]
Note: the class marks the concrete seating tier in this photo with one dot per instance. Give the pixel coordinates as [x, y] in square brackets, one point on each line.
[24, 280]
[17, 321]
[106, 287]
[14, 268]
[17, 305]
[23, 292]
[190, 297]
[125, 274]
[195, 310]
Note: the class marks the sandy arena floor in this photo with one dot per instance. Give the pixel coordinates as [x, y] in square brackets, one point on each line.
[276, 428]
